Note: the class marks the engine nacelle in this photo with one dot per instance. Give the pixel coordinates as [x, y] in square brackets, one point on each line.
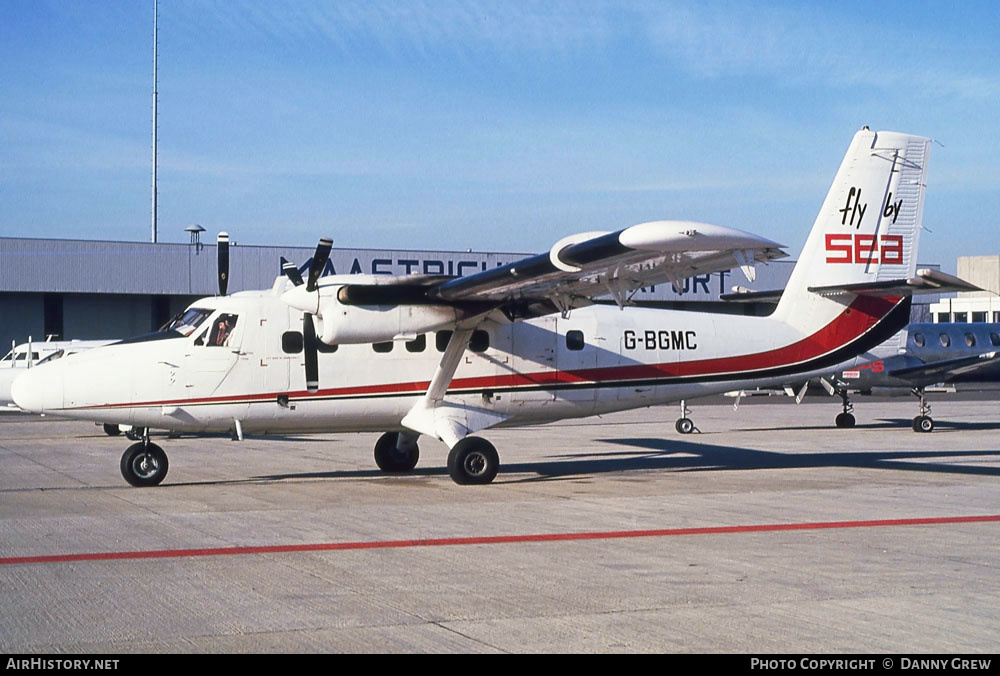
[339, 323]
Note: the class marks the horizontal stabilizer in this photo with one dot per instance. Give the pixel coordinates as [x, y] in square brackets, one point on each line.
[753, 296]
[925, 281]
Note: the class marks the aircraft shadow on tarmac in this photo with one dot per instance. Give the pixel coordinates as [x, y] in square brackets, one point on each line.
[672, 455]
[882, 424]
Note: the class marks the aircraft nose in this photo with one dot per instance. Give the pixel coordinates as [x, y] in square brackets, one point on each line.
[37, 390]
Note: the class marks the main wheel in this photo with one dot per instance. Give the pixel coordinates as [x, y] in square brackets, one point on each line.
[845, 420]
[144, 464]
[390, 458]
[923, 423]
[684, 425]
[473, 461]
[112, 430]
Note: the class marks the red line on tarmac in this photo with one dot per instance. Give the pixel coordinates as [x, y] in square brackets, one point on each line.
[491, 540]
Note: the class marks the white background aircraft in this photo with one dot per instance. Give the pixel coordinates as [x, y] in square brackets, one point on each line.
[26, 355]
[521, 344]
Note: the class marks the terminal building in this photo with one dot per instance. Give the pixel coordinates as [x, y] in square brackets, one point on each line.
[86, 289]
[973, 306]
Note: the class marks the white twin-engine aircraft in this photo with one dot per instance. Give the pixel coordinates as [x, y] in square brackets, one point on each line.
[521, 344]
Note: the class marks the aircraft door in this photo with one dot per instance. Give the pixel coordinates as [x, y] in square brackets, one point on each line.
[212, 355]
[533, 360]
[577, 347]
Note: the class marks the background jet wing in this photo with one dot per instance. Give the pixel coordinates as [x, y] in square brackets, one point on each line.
[946, 369]
[590, 265]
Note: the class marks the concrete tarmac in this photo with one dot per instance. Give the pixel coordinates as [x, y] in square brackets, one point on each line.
[770, 531]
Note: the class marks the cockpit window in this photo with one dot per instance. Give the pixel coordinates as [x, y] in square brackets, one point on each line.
[222, 330]
[188, 321]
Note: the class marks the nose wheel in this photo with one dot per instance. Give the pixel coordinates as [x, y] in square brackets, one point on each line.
[144, 464]
[396, 453]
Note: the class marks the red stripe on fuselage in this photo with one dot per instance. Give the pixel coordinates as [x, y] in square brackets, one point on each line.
[856, 320]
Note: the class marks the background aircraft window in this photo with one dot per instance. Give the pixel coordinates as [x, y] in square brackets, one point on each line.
[979, 316]
[382, 348]
[441, 340]
[945, 339]
[324, 348]
[574, 340]
[970, 340]
[918, 339]
[995, 339]
[418, 344]
[58, 354]
[291, 342]
[480, 341]
[222, 330]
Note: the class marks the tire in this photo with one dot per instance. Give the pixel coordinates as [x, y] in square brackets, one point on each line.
[684, 425]
[473, 461]
[112, 430]
[845, 420]
[144, 464]
[391, 459]
[923, 423]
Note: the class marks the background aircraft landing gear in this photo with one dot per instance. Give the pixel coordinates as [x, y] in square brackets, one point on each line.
[473, 461]
[396, 455]
[684, 424]
[845, 419]
[144, 464]
[923, 422]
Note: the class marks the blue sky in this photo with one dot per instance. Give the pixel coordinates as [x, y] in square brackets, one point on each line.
[485, 125]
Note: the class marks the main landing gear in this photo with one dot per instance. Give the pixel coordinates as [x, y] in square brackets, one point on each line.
[144, 463]
[923, 422]
[472, 461]
[845, 419]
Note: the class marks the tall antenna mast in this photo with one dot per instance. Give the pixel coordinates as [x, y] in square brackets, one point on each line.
[154, 119]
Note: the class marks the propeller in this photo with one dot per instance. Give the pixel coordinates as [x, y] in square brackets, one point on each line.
[223, 248]
[310, 342]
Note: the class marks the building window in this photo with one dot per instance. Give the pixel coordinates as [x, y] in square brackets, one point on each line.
[382, 348]
[943, 317]
[945, 339]
[979, 316]
[961, 317]
[574, 340]
[418, 344]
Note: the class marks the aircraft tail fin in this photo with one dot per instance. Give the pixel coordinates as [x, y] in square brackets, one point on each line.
[868, 229]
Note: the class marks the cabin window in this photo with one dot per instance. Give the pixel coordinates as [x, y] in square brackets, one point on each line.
[918, 339]
[480, 341]
[418, 344]
[945, 339]
[222, 330]
[970, 340]
[574, 340]
[291, 342]
[324, 348]
[441, 339]
[995, 339]
[383, 347]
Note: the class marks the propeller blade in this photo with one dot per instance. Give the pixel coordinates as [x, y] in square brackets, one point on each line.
[223, 247]
[320, 258]
[291, 272]
[311, 353]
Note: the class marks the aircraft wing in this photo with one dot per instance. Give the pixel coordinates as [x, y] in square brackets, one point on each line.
[591, 265]
[946, 369]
